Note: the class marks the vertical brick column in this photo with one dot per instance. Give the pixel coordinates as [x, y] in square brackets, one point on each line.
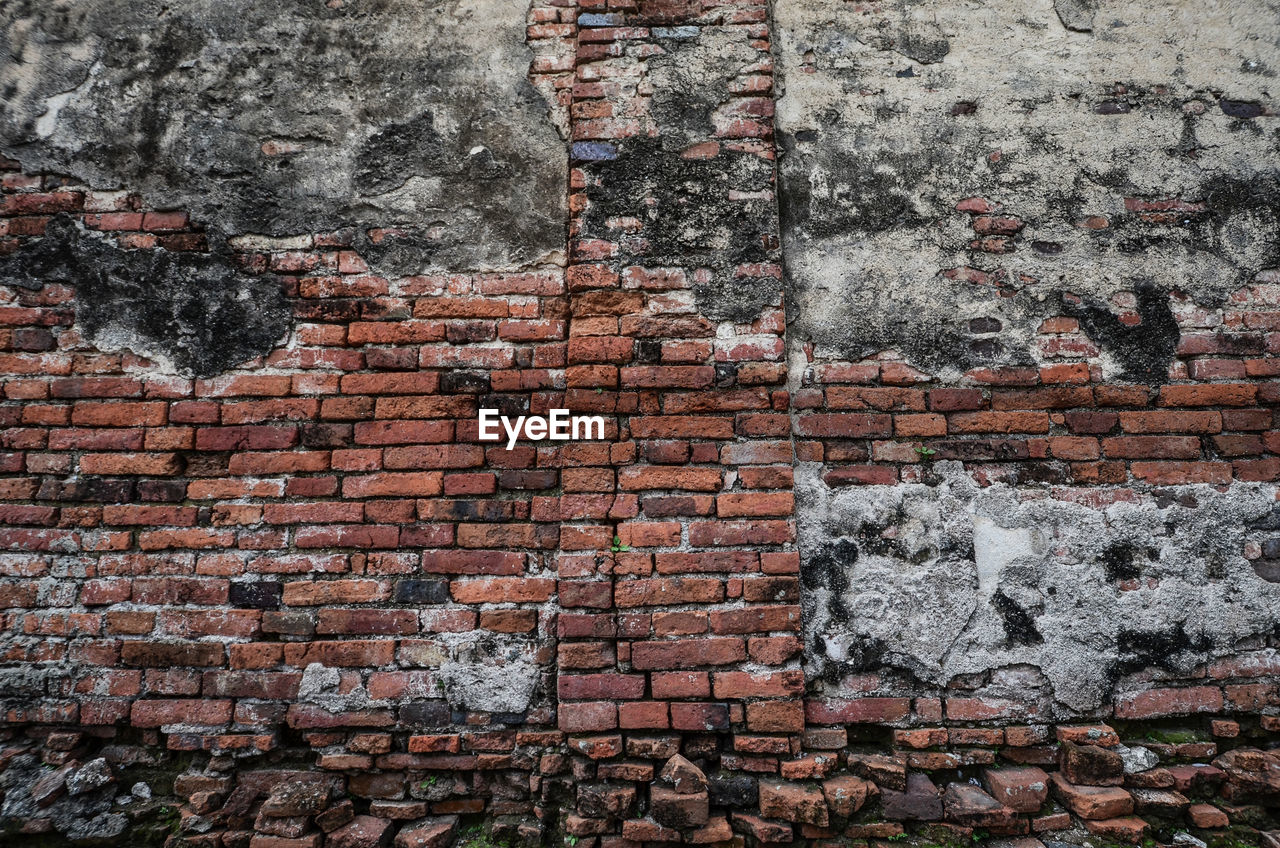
[677, 569]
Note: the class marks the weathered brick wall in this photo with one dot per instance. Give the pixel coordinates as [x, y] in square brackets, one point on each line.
[256, 557]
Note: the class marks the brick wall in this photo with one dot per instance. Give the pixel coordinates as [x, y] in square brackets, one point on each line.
[306, 580]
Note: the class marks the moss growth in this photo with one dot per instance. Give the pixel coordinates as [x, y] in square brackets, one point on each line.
[1236, 837]
[1173, 737]
[479, 836]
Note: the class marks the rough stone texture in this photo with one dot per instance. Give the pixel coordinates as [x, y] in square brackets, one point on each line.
[94, 774]
[430, 833]
[676, 809]
[291, 117]
[920, 801]
[953, 579]
[473, 684]
[85, 815]
[893, 115]
[1137, 758]
[1021, 789]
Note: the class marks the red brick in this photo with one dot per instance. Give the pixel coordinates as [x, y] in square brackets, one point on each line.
[955, 400]
[367, 621]
[1219, 394]
[1164, 421]
[349, 654]
[856, 711]
[588, 717]
[1125, 829]
[639, 478]
[1021, 789]
[1150, 447]
[699, 716]
[681, 684]
[1093, 802]
[668, 591]
[200, 712]
[845, 426]
[502, 590]
[998, 422]
[1056, 397]
[595, 686]
[1207, 816]
[1156, 703]
[793, 802]
[644, 715]
[885, 399]
[1176, 473]
[473, 562]
[775, 716]
[756, 619]
[735, 504]
[686, 652]
[857, 475]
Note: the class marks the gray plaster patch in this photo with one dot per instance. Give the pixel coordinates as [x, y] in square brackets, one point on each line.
[1055, 127]
[1076, 14]
[318, 683]
[490, 688]
[1137, 758]
[298, 116]
[947, 580]
[493, 673]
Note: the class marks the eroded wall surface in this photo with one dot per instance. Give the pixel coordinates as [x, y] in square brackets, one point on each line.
[956, 180]
[413, 125]
[1118, 157]
[291, 117]
[942, 579]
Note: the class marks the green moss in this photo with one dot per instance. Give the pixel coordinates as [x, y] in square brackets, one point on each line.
[1236, 837]
[478, 836]
[1173, 737]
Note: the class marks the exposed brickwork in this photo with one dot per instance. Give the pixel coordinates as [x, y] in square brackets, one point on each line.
[284, 575]
[1064, 422]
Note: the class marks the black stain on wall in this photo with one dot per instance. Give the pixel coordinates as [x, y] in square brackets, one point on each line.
[1138, 649]
[196, 309]
[1019, 626]
[1118, 561]
[398, 151]
[1144, 349]
[686, 219]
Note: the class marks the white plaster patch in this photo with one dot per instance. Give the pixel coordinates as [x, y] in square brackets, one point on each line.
[952, 579]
